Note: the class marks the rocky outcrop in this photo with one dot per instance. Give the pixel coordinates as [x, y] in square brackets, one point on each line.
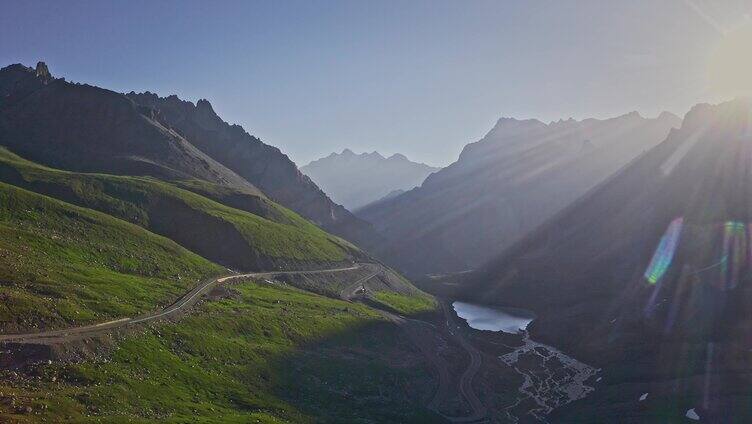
[42, 73]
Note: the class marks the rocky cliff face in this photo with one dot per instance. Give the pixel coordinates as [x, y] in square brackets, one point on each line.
[264, 166]
[503, 186]
[354, 180]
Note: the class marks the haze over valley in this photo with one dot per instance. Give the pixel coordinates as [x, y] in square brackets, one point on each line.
[358, 212]
[356, 180]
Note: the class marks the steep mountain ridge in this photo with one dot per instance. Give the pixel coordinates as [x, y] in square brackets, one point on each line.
[264, 166]
[84, 128]
[90, 129]
[506, 184]
[355, 180]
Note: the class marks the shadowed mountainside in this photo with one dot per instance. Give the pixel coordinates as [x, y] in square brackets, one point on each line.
[503, 186]
[90, 129]
[648, 276]
[355, 180]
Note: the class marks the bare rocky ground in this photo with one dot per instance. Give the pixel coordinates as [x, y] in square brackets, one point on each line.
[523, 381]
[551, 379]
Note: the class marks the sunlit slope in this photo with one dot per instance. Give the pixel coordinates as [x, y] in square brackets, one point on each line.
[252, 353]
[62, 265]
[262, 236]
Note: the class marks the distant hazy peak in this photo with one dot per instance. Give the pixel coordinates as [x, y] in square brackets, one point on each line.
[509, 123]
[375, 155]
[356, 179]
[507, 127]
[668, 115]
[513, 124]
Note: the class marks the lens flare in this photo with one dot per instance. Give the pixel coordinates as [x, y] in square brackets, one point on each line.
[664, 254]
[735, 251]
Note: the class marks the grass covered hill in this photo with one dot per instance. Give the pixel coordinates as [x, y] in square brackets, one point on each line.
[62, 265]
[111, 212]
[256, 353]
[261, 235]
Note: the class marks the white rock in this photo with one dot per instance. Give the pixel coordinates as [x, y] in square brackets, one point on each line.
[692, 415]
[643, 397]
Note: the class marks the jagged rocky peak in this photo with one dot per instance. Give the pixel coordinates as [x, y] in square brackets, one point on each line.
[347, 153]
[42, 72]
[206, 116]
[508, 122]
[507, 127]
[665, 115]
[357, 179]
[736, 116]
[203, 104]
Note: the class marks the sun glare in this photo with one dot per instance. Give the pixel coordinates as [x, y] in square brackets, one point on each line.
[730, 70]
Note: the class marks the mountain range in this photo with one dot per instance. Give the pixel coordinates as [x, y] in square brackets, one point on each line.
[98, 130]
[503, 186]
[355, 180]
[158, 263]
[647, 276]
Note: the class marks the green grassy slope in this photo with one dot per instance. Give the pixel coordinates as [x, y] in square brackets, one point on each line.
[415, 304]
[253, 353]
[62, 265]
[258, 353]
[264, 235]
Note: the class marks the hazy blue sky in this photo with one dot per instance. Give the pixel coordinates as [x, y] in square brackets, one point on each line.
[422, 78]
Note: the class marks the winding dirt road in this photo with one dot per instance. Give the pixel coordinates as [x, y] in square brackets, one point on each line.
[352, 289]
[184, 302]
[466, 380]
[416, 328]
